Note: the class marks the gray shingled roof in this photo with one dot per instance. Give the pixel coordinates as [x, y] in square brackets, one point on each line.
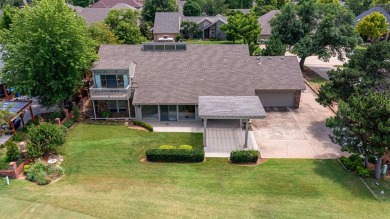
[92, 15]
[374, 9]
[168, 77]
[244, 11]
[199, 19]
[167, 22]
[111, 3]
[264, 22]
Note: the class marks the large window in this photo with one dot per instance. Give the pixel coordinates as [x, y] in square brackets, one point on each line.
[186, 112]
[117, 106]
[149, 112]
[111, 81]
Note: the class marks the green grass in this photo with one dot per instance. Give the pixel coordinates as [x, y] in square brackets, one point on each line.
[105, 178]
[360, 47]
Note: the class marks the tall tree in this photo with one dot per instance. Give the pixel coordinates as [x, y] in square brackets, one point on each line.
[102, 34]
[237, 4]
[46, 51]
[373, 25]
[190, 29]
[123, 23]
[274, 47]
[191, 8]
[82, 3]
[214, 7]
[362, 125]
[7, 16]
[15, 3]
[152, 6]
[145, 29]
[318, 29]
[261, 10]
[275, 3]
[358, 6]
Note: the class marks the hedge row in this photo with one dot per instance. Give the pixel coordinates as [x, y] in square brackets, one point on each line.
[175, 155]
[147, 126]
[239, 156]
[355, 163]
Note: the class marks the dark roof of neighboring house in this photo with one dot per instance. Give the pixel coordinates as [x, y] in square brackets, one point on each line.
[374, 9]
[179, 77]
[264, 22]
[92, 15]
[111, 3]
[167, 22]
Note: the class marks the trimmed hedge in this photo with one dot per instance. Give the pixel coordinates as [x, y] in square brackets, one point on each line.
[167, 147]
[185, 147]
[147, 126]
[239, 156]
[175, 155]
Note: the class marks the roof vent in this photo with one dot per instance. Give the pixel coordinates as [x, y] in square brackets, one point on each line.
[282, 57]
[258, 59]
[269, 57]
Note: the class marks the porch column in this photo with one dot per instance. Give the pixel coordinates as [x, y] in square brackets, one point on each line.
[128, 107]
[31, 113]
[22, 118]
[240, 123]
[204, 132]
[13, 127]
[246, 134]
[94, 110]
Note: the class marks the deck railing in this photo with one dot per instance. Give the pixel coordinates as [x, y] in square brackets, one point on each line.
[110, 93]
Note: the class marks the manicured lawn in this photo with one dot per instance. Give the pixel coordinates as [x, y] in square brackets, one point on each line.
[105, 178]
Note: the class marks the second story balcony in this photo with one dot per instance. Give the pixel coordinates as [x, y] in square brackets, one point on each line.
[110, 93]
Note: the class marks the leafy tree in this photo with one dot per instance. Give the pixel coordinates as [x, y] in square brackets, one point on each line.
[316, 29]
[152, 6]
[363, 124]
[190, 28]
[102, 34]
[243, 27]
[261, 10]
[373, 25]
[145, 29]
[46, 51]
[7, 16]
[274, 47]
[329, 1]
[123, 23]
[236, 4]
[15, 3]
[275, 3]
[214, 7]
[191, 8]
[82, 3]
[358, 6]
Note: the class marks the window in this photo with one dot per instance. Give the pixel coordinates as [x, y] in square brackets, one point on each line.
[112, 106]
[149, 112]
[186, 112]
[112, 81]
[122, 106]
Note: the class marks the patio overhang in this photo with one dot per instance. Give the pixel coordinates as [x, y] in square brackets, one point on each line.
[230, 107]
[17, 108]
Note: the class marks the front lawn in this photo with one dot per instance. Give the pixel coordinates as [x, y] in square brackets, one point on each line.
[105, 178]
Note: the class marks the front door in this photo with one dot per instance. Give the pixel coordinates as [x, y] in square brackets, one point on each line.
[168, 113]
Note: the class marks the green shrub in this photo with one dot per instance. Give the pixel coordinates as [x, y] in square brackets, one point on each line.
[372, 159]
[105, 114]
[32, 123]
[52, 117]
[147, 126]
[35, 169]
[41, 173]
[167, 147]
[45, 138]
[34, 151]
[41, 178]
[26, 168]
[363, 172]
[76, 113]
[55, 171]
[185, 147]
[13, 152]
[18, 137]
[351, 164]
[175, 155]
[240, 156]
[355, 157]
[68, 123]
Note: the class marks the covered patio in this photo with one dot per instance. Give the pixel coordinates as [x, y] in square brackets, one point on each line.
[218, 141]
[18, 109]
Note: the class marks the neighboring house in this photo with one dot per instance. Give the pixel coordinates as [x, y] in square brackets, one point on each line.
[375, 9]
[75, 8]
[93, 15]
[265, 25]
[167, 24]
[163, 81]
[111, 3]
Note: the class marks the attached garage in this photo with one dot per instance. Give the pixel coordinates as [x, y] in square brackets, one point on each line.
[273, 98]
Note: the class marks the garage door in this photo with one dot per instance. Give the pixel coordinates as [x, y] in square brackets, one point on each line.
[276, 98]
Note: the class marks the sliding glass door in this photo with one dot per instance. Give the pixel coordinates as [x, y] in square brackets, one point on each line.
[168, 112]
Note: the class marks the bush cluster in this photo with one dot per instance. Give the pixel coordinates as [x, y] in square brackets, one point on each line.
[68, 123]
[19, 137]
[13, 152]
[240, 156]
[354, 163]
[147, 126]
[175, 155]
[42, 173]
[76, 113]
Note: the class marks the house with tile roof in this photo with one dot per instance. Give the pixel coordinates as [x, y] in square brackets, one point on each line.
[376, 9]
[164, 81]
[167, 25]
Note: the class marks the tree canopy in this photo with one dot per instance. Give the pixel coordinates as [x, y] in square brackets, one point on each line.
[275, 3]
[358, 6]
[237, 4]
[82, 3]
[274, 47]
[46, 51]
[191, 8]
[313, 28]
[190, 29]
[7, 16]
[214, 7]
[373, 25]
[123, 23]
[15, 3]
[152, 6]
[102, 34]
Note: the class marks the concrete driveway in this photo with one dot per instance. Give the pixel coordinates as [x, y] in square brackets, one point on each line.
[296, 133]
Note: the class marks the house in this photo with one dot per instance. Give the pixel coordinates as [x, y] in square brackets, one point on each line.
[163, 81]
[111, 3]
[75, 8]
[375, 9]
[168, 25]
[265, 25]
[93, 15]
